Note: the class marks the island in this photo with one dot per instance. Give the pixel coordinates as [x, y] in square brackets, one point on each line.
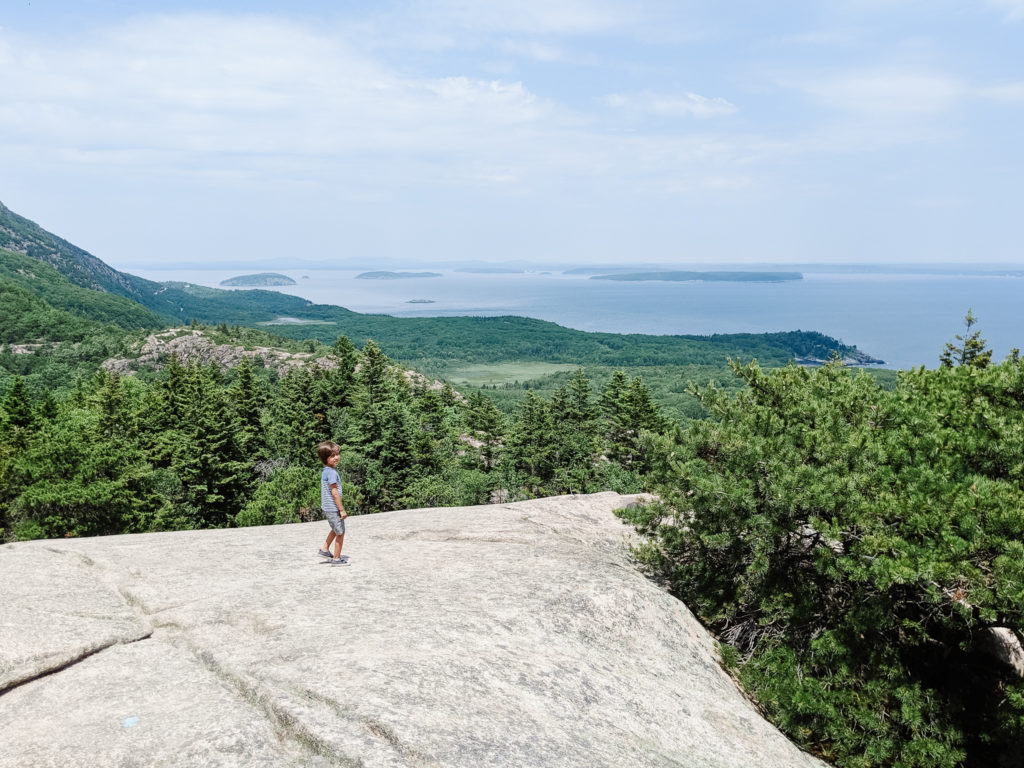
[260, 279]
[395, 275]
[420, 301]
[719, 277]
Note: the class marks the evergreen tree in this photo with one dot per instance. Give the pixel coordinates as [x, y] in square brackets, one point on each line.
[576, 435]
[17, 409]
[46, 409]
[376, 378]
[972, 351]
[336, 385]
[298, 421]
[209, 462]
[380, 447]
[448, 395]
[85, 475]
[347, 354]
[614, 407]
[248, 402]
[109, 401]
[530, 450]
[485, 424]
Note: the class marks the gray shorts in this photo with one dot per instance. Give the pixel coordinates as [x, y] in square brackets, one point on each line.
[334, 518]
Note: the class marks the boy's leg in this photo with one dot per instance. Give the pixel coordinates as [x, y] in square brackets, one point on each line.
[338, 541]
[330, 538]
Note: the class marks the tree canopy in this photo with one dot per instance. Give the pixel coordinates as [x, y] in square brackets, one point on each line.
[854, 548]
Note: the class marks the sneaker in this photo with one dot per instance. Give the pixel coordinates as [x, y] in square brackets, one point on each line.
[338, 561]
[323, 553]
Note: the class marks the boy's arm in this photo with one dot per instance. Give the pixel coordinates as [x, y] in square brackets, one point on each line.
[337, 500]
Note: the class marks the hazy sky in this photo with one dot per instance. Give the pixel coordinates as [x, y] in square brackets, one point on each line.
[676, 132]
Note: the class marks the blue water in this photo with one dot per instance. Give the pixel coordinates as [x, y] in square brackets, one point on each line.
[903, 319]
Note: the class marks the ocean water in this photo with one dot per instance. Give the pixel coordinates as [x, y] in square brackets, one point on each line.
[903, 319]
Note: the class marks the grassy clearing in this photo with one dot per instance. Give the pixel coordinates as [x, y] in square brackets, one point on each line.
[496, 374]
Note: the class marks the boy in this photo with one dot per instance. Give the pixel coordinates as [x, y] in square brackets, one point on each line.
[330, 501]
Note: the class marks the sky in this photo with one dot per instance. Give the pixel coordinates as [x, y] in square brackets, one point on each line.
[553, 131]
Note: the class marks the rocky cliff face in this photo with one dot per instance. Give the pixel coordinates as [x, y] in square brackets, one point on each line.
[508, 635]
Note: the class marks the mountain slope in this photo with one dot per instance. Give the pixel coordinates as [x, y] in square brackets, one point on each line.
[82, 268]
[48, 284]
[174, 302]
[27, 319]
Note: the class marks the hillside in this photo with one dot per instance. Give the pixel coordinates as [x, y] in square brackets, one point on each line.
[171, 301]
[470, 339]
[47, 284]
[507, 635]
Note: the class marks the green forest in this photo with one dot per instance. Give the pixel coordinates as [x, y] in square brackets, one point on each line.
[854, 539]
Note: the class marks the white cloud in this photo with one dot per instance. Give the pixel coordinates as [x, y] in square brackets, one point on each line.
[687, 105]
[237, 103]
[246, 90]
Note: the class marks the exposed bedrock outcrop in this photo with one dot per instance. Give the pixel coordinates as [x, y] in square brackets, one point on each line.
[193, 346]
[507, 635]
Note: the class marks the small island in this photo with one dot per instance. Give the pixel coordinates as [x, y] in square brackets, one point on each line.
[260, 279]
[718, 277]
[395, 275]
[420, 301]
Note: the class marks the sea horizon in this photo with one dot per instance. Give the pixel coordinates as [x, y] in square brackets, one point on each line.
[903, 318]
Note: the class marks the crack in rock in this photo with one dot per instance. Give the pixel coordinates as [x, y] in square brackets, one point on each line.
[285, 724]
[16, 682]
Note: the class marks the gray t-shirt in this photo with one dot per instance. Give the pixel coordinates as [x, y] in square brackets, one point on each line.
[328, 478]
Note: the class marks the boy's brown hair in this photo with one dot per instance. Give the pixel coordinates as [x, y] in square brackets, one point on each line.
[326, 450]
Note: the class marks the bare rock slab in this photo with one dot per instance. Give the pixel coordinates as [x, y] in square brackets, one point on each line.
[506, 635]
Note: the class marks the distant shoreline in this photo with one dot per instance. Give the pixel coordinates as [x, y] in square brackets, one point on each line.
[716, 277]
[395, 275]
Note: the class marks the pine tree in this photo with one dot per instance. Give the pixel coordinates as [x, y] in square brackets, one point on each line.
[615, 416]
[298, 421]
[972, 351]
[85, 475]
[530, 447]
[336, 385]
[448, 395]
[347, 354]
[486, 425]
[576, 435]
[248, 401]
[109, 401]
[214, 473]
[376, 378]
[17, 408]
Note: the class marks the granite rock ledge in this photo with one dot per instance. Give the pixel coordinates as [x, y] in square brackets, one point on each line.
[506, 635]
